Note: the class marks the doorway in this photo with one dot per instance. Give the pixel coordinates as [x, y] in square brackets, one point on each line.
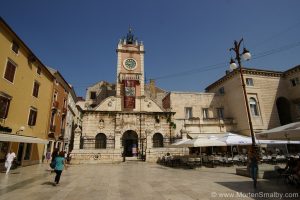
[284, 112]
[20, 153]
[130, 144]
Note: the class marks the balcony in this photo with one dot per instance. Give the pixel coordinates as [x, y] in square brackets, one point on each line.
[64, 111]
[62, 134]
[192, 121]
[211, 121]
[52, 128]
[55, 105]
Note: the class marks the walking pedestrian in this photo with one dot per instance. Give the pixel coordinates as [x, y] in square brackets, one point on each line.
[54, 154]
[48, 155]
[9, 160]
[60, 164]
[253, 165]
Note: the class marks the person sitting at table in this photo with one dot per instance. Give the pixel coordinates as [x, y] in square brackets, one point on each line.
[290, 165]
[295, 177]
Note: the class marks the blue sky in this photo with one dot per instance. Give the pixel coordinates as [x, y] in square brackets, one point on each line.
[188, 38]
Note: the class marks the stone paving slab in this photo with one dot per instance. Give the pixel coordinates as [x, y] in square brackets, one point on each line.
[134, 181]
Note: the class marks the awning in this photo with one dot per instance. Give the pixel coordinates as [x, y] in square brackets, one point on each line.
[21, 138]
[290, 132]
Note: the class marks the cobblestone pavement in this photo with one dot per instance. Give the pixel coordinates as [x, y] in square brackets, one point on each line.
[133, 180]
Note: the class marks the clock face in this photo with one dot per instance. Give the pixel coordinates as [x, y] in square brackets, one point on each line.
[129, 63]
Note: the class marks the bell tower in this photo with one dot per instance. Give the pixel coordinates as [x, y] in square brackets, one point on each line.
[130, 71]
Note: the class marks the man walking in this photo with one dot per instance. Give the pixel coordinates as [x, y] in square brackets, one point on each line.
[9, 159]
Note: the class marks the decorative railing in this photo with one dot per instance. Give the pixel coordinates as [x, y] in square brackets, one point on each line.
[52, 128]
[133, 76]
[55, 105]
[64, 111]
[92, 143]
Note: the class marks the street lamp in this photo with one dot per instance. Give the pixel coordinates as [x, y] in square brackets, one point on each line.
[246, 56]
[22, 128]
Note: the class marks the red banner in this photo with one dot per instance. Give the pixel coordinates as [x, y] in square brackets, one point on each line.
[129, 93]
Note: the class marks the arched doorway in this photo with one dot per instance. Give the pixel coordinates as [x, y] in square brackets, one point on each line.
[158, 140]
[130, 143]
[284, 111]
[100, 141]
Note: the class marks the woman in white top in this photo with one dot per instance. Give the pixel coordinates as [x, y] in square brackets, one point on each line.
[9, 159]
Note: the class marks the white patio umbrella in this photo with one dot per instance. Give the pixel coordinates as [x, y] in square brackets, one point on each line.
[180, 143]
[289, 132]
[277, 142]
[232, 139]
[235, 139]
[203, 142]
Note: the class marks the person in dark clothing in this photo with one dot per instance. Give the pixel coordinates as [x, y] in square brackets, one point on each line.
[54, 154]
[59, 166]
[253, 165]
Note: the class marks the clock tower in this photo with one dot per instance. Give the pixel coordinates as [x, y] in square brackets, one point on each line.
[130, 71]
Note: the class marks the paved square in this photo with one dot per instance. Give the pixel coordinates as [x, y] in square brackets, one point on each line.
[133, 180]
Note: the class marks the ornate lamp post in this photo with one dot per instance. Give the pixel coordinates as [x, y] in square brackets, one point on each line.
[246, 56]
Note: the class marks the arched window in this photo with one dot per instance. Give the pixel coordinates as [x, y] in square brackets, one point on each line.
[158, 140]
[100, 142]
[253, 107]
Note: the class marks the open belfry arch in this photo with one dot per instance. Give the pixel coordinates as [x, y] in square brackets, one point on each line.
[127, 114]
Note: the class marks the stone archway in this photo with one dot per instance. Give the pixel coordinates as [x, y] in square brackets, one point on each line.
[130, 143]
[284, 110]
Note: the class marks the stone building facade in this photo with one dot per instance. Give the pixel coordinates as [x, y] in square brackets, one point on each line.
[273, 96]
[199, 113]
[124, 120]
[131, 119]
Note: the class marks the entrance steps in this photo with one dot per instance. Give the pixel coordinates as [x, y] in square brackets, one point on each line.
[132, 159]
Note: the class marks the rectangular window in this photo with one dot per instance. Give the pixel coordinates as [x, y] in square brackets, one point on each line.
[32, 117]
[295, 81]
[222, 90]
[10, 71]
[28, 151]
[249, 81]
[220, 113]
[205, 113]
[93, 95]
[15, 47]
[39, 70]
[188, 112]
[65, 103]
[4, 106]
[36, 87]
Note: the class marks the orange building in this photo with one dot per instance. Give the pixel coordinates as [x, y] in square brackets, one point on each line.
[58, 111]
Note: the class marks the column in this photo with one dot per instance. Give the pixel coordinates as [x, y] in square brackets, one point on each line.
[77, 135]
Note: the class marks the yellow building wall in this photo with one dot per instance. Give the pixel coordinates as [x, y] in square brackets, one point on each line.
[22, 87]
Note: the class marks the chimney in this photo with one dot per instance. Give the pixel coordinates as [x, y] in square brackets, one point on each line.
[152, 89]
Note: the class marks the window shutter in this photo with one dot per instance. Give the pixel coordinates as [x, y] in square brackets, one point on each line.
[10, 71]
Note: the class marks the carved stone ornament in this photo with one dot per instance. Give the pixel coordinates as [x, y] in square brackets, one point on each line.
[101, 123]
[77, 131]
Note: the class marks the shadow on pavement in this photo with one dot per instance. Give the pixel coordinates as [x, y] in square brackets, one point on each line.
[47, 183]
